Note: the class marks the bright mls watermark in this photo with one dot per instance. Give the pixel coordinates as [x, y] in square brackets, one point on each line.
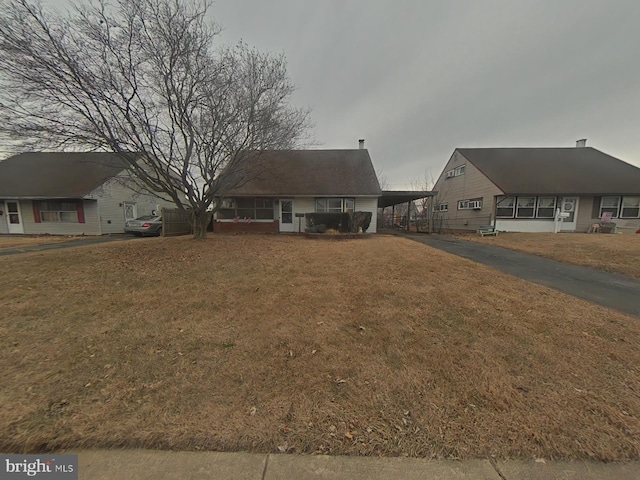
[49, 467]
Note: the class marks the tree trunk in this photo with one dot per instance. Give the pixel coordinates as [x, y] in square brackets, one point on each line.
[200, 222]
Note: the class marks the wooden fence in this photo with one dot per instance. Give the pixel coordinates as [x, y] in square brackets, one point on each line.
[174, 223]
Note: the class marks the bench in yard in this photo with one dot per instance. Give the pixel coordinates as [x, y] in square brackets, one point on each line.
[485, 230]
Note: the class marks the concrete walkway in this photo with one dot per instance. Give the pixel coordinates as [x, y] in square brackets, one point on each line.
[155, 465]
[71, 243]
[607, 289]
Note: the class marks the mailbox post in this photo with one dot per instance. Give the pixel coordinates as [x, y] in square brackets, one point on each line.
[299, 216]
[558, 219]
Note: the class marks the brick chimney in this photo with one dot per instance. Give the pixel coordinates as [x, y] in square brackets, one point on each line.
[361, 142]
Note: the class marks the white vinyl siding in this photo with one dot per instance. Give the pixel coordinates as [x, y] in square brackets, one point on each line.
[472, 184]
[91, 225]
[368, 204]
[112, 196]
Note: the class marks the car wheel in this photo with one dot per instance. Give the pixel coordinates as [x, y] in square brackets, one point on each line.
[160, 232]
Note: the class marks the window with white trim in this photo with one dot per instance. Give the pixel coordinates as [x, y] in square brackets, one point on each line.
[54, 211]
[630, 207]
[455, 172]
[335, 205]
[441, 207]
[546, 207]
[250, 208]
[610, 205]
[525, 207]
[470, 204]
[505, 207]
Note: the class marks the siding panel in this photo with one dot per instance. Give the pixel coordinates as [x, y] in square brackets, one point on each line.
[586, 218]
[110, 197]
[369, 204]
[4, 218]
[90, 227]
[473, 184]
[363, 204]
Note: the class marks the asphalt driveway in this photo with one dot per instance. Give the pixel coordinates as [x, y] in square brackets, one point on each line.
[610, 290]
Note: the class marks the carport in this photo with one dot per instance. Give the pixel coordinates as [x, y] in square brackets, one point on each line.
[393, 198]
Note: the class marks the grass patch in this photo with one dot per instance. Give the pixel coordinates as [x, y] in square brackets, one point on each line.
[276, 343]
[611, 253]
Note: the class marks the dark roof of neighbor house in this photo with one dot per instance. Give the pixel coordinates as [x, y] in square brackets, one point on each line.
[56, 174]
[555, 171]
[311, 172]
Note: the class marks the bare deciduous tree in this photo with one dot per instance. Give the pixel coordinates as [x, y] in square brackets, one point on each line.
[428, 213]
[143, 79]
[382, 179]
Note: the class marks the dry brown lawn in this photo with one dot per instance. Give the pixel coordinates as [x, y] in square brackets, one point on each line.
[7, 241]
[285, 344]
[612, 253]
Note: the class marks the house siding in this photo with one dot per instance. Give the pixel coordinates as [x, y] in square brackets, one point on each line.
[362, 204]
[4, 218]
[301, 205]
[112, 194]
[91, 225]
[522, 225]
[586, 217]
[472, 184]
[369, 204]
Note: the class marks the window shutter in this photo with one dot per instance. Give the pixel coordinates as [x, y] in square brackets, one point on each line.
[36, 211]
[80, 209]
[595, 213]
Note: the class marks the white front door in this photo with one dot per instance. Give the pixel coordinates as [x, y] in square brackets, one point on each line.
[569, 205]
[130, 211]
[14, 218]
[286, 215]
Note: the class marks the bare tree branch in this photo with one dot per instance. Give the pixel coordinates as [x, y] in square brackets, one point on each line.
[143, 79]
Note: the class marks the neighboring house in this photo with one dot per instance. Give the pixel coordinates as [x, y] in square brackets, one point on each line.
[519, 189]
[286, 184]
[69, 194]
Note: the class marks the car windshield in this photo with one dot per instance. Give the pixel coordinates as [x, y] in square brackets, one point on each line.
[147, 217]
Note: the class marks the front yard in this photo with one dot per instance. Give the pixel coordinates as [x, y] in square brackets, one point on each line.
[284, 344]
[10, 241]
[611, 253]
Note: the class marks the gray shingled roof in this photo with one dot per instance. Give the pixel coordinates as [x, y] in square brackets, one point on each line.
[56, 174]
[555, 171]
[312, 172]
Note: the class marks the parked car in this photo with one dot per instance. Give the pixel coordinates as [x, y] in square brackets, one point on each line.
[145, 225]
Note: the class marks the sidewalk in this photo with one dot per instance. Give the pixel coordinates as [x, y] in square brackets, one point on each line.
[151, 464]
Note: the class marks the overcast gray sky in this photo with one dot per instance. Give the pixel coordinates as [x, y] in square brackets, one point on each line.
[419, 78]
